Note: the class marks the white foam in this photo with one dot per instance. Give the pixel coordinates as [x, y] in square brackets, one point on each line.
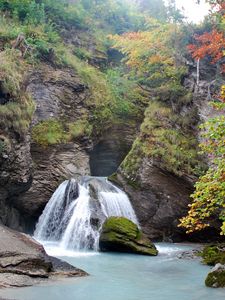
[54, 249]
[74, 221]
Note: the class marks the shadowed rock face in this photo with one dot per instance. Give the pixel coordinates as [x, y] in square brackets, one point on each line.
[112, 148]
[24, 262]
[122, 235]
[159, 202]
[30, 174]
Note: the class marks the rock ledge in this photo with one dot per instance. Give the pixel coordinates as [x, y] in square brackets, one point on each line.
[24, 262]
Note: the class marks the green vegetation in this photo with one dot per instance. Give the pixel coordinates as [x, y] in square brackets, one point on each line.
[216, 278]
[130, 100]
[80, 128]
[11, 72]
[122, 235]
[166, 135]
[209, 192]
[52, 131]
[49, 132]
[213, 254]
[173, 148]
[152, 42]
[41, 22]
[17, 113]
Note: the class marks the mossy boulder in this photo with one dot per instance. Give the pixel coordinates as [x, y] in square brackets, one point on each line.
[216, 278]
[214, 254]
[122, 235]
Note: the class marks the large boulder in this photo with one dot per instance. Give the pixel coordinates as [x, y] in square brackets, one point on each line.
[216, 278]
[214, 255]
[122, 235]
[24, 262]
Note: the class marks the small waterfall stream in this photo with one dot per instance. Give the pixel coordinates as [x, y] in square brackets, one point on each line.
[76, 211]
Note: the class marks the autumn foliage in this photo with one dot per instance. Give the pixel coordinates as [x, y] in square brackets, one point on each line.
[210, 43]
[208, 204]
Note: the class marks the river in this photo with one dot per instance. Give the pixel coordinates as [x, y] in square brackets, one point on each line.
[126, 277]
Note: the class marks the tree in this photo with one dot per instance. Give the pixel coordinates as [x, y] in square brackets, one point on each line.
[151, 54]
[209, 196]
[154, 8]
[208, 203]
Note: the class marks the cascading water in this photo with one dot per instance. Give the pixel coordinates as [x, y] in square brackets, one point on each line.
[76, 211]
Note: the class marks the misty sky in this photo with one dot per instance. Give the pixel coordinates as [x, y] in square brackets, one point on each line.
[193, 11]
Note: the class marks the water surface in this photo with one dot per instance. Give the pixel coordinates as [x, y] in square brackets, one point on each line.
[127, 277]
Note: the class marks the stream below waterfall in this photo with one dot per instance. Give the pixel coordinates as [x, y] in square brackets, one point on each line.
[126, 277]
[69, 228]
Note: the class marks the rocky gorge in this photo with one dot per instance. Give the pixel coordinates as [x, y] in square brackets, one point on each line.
[76, 104]
[31, 173]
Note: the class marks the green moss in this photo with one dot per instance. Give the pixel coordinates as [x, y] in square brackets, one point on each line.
[213, 254]
[122, 235]
[169, 146]
[48, 133]
[16, 113]
[216, 279]
[113, 178]
[79, 128]
[133, 160]
[82, 53]
[55, 131]
[122, 226]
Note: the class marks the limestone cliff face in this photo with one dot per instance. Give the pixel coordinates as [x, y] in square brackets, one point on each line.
[160, 195]
[30, 173]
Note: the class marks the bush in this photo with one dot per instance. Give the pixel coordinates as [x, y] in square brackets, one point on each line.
[27, 11]
[18, 112]
[48, 133]
[53, 131]
[169, 147]
[79, 128]
[11, 72]
[129, 99]
[209, 196]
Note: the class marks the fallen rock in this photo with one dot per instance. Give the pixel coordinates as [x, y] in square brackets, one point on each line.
[190, 254]
[122, 235]
[24, 262]
[216, 278]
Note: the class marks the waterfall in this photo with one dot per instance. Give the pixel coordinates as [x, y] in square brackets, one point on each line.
[76, 211]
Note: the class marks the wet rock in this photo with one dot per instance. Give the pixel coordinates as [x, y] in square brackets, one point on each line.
[24, 262]
[29, 174]
[159, 201]
[59, 163]
[192, 254]
[122, 235]
[216, 278]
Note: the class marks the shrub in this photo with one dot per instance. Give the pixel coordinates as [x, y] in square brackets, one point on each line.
[48, 133]
[169, 147]
[79, 128]
[11, 72]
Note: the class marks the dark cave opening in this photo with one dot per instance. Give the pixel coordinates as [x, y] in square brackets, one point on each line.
[107, 155]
